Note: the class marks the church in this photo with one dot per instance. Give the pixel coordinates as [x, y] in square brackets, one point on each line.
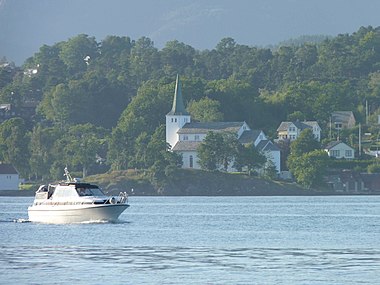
[185, 136]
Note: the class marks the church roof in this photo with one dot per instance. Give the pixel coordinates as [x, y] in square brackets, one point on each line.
[204, 128]
[7, 169]
[249, 136]
[186, 146]
[178, 107]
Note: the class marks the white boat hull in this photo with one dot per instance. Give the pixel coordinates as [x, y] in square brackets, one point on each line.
[59, 214]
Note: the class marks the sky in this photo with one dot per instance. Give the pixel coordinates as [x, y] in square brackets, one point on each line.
[26, 25]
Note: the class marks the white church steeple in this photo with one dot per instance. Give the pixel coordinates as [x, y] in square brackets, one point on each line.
[177, 117]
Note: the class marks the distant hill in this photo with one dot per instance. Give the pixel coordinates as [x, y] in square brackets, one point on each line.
[26, 25]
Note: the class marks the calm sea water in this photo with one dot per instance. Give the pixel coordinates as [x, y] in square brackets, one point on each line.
[200, 240]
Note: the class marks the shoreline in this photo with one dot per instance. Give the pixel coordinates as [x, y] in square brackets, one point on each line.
[30, 193]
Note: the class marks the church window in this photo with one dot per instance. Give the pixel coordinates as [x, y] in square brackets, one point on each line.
[191, 161]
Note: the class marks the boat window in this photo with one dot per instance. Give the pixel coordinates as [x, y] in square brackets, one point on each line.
[82, 191]
[97, 192]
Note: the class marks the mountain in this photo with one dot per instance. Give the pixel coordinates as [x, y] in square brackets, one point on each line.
[25, 25]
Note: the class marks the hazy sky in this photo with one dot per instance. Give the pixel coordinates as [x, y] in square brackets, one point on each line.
[25, 25]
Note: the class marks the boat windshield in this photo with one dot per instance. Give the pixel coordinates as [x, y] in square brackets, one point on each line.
[89, 191]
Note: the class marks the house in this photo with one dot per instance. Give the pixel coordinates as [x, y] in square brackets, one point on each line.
[291, 130]
[343, 120]
[347, 181]
[185, 136]
[9, 177]
[339, 150]
[352, 182]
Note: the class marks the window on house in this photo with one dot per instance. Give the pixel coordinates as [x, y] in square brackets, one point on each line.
[348, 153]
[191, 162]
[172, 120]
[185, 138]
[196, 137]
[338, 125]
[335, 153]
[175, 120]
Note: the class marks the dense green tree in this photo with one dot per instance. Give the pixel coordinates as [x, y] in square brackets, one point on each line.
[127, 86]
[14, 140]
[82, 144]
[208, 151]
[218, 151]
[41, 149]
[249, 157]
[305, 142]
[205, 110]
[309, 168]
[78, 52]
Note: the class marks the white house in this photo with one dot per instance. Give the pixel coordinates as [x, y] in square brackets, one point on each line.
[9, 177]
[339, 150]
[291, 130]
[185, 136]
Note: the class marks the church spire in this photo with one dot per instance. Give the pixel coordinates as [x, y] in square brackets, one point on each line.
[178, 107]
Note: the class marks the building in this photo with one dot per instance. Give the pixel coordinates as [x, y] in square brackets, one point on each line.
[340, 150]
[185, 136]
[9, 177]
[292, 130]
[343, 120]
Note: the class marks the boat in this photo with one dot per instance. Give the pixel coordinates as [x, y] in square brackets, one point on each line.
[72, 201]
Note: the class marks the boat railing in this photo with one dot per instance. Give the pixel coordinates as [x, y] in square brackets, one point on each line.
[123, 196]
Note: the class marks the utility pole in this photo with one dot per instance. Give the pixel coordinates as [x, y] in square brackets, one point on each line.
[360, 140]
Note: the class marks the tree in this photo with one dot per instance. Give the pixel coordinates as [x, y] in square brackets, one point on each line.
[162, 162]
[270, 170]
[205, 110]
[309, 168]
[208, 151]
[78, 52]
[305, 142]
[42, 150]
[14, 140]
[82, 144]
[248, 156]
[217, 150]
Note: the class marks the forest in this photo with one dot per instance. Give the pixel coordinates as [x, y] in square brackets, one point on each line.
[100, 106]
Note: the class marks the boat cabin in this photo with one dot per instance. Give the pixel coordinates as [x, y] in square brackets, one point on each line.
[69, 190]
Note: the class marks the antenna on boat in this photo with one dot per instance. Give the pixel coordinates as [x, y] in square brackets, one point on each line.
[68, 175]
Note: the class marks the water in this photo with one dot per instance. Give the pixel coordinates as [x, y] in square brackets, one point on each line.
[200, 240]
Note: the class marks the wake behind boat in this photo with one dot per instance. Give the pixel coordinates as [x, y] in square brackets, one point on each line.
[75, 202]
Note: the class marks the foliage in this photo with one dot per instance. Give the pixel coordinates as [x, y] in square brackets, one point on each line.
[14, 142]
[217, 151]
[373, 168]
[309, 168]
[249, 157]
[205, 110]
[305, 142]
[125, 86]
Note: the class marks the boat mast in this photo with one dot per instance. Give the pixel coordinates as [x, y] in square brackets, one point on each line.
[68, 175]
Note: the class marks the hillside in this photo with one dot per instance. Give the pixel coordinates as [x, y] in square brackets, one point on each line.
[100, 106]
[197, 183]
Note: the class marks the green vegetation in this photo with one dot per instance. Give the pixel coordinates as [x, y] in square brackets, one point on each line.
[101, 105]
